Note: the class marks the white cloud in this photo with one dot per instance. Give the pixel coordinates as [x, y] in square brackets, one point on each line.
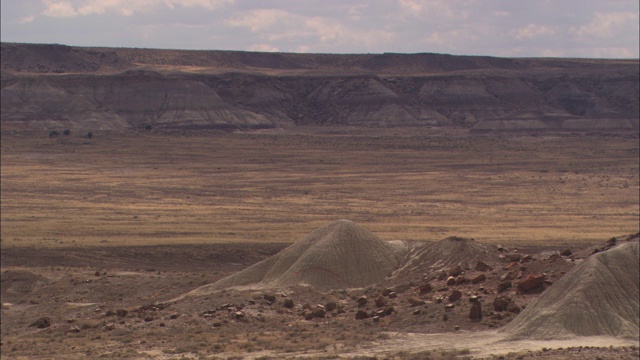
[26, 19]
[532, 31]
[261, 19]
[607, 24]
[123, 7]
[263, 48]
[59, 9]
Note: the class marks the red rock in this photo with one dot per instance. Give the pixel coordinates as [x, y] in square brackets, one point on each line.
[531, 282]
[478, 279]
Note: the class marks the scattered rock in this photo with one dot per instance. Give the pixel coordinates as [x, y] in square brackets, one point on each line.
[448, 307]
[478, 279]
[474, 298]
[362, 300]
[503, 286]
[531, 282]
[425, 288]
[415, 302]
[451, 281]
[461, 280]
[110, 313]
[482, 266]
[381, 301]
[526, 259]
[174, 316]
[288, 303]
[455, 270]
[386, 292]
[239, 314]
[361, 315]
[500, 303]
[330, 306]
[513, 257]
[74, 329]
[455, 295]
[442, 275]
[566, 252]
[475, 313]
[41, 323]
[416, 312]
[270, 298]
[148, 318]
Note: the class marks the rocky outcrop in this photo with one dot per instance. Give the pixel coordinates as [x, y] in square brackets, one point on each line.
[48, 87]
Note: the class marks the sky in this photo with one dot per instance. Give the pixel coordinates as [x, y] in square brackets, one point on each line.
[507, 28]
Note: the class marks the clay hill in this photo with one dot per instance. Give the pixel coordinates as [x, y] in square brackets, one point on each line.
[55, 87]
[597, 297]
[340, 255]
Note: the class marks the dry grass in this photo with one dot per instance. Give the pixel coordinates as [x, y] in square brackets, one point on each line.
[159, 189]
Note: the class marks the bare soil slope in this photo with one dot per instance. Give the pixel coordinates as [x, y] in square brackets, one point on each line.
[53, 87]
[597, 297]
[340, 255]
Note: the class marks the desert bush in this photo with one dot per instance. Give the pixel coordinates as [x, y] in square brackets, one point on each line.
[67, 132]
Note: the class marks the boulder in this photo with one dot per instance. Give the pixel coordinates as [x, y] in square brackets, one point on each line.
[475, 313]
[478, 279]
[41, 323]
[455, 270]
[503, 286]
[451, 281]
[531, 282]
[361, 315]
[362, 300]
[482, 266]
[381, 301]
[288, 303]
[455, 295]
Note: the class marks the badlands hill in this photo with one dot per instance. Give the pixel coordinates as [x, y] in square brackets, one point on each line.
[597, 297]
[340, 255]
[47, 87]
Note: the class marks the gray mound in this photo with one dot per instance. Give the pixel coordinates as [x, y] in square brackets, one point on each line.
[439, 255]
[597, 297]
[340, 255]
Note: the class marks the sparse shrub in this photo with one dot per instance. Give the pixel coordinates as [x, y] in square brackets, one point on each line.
[53, 133]
[66, 132]
[147, 127]
[89, 134]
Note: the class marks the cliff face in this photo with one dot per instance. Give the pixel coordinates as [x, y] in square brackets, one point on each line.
[54, 86]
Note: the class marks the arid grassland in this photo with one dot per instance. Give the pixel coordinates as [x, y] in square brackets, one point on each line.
[275, 186]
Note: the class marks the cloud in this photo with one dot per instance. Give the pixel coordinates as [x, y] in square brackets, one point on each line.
[123, 7]
[59, 9]
[532, 31]
[26, 19]
[607, 24]
[263, 48]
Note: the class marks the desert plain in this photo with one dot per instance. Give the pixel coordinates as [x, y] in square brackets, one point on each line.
[100, 236]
